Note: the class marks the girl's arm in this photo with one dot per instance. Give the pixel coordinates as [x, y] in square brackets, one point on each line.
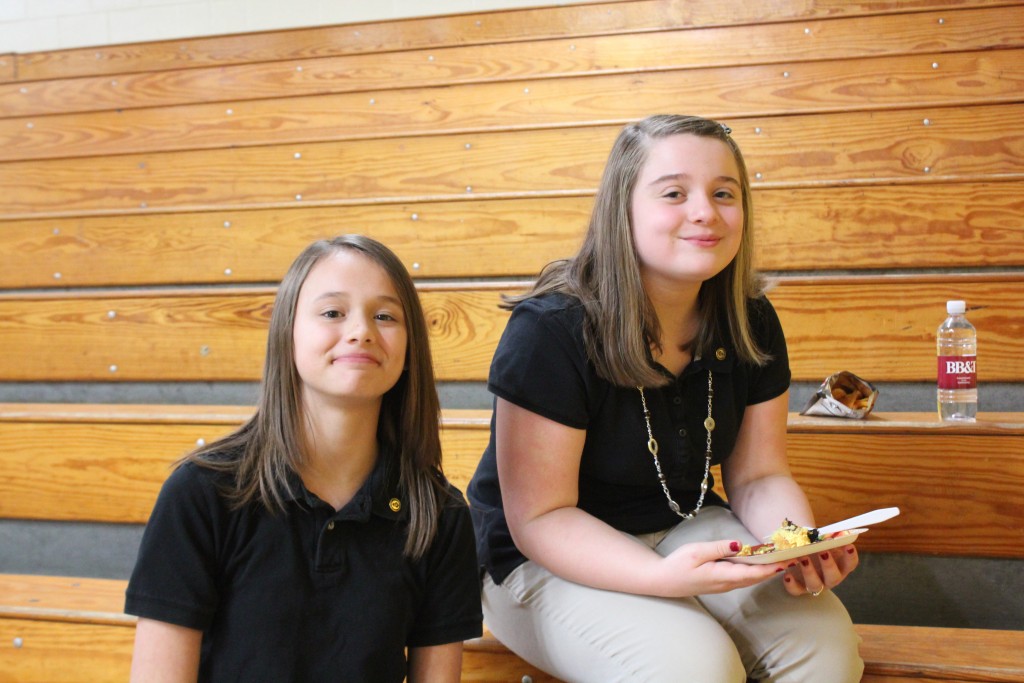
[435, 664]
[538, 469]
[762, 492]
[165, 653]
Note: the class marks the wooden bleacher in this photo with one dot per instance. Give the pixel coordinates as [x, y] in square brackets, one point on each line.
[105, 463]
[152, 196]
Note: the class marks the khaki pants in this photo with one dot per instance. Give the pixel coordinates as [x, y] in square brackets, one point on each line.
[584, 634]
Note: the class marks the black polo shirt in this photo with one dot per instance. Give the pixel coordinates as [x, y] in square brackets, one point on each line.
[541, 365]
[308, 595]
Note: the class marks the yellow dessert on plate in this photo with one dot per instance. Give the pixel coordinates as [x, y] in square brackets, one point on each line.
[788, 535]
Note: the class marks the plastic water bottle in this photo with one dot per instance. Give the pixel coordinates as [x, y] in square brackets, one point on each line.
[957, 346]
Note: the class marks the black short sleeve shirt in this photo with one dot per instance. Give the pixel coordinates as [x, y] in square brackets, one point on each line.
[541, 365]
[311, 594]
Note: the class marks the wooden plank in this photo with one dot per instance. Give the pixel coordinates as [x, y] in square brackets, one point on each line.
[926, 145]
[880, 327]
[109, 473]
[434, 239]
[7, 67]
[941, 225]
[63, 598]
[884, 329]
[846, 474]
[916, 652]
[725, 92]
[934, 225]
[891, 654]
[55, 652]
[785, 44]
[846, 471]
[107, 463]
[461, 29]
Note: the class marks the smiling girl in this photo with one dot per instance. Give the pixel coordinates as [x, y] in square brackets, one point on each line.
[621, 378]
[320, 541]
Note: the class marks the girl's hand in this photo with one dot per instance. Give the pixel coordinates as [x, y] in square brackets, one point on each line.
[699, 569]
[812, 574]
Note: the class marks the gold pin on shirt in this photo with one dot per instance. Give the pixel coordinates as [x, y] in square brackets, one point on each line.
[395, 505]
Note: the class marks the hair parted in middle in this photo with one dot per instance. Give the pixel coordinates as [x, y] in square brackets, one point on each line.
[605, 273]
[271, 445]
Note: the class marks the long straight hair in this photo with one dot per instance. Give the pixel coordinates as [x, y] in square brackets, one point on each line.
[605, 273]
[269, 446]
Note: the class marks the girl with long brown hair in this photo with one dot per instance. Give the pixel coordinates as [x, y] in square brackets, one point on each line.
[622, 377]
[320, 541]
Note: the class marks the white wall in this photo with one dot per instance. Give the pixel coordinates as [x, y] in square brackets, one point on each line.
[37, 25]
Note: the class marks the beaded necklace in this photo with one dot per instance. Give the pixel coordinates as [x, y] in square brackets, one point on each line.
[652, 446]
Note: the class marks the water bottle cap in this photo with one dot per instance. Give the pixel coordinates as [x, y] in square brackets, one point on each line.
[955, 307]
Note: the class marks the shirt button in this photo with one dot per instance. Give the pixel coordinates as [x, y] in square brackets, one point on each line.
[330, 525]
[677, 400]
[720, 353]
[682, 433]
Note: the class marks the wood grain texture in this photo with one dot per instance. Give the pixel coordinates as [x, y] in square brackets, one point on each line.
[817, 229]
[934, 225]
[107, 464]
[846, 472]
[56, 652]
[883, 329]
[786, 44]
[220, 335]
[63, 598]
[924, 652]
[723, 92]
[470, 238]
[433, 32]
[963, 143]
[897, 227]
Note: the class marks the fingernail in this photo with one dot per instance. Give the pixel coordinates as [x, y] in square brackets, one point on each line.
[792, 564]
[788, 579]
[805, 562]
[851, 550]
[780, 569]
[734, 546]
[825, 556]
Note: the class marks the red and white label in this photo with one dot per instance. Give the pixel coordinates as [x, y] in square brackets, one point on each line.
[958, 372]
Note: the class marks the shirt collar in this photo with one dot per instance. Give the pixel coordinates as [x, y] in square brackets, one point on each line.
[380, 494]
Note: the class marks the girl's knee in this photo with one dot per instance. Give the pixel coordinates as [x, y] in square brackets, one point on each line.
[821, 654]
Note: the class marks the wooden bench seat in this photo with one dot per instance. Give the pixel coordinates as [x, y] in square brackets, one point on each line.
[891, 653]
[71, 629]
[111, 461]
[106, 463]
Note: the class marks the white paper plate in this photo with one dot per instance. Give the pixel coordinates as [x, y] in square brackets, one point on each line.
[844, 538]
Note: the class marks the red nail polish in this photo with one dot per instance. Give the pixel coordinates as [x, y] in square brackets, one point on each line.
[734, 546]
[850, 549]
[792, 564]
[825, 556]
[780, 569]
[788, 579]
[805, 562]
